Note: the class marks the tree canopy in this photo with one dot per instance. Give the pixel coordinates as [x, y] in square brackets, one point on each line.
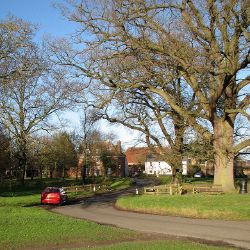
[31, 89]
[146, 46]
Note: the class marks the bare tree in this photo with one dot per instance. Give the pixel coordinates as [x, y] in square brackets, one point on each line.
[31, 90]
[13, 41]
[88, 136]
[147, 113]
[207, 42]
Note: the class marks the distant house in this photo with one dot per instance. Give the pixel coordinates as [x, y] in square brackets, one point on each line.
[155, 166]
[142, 159]
[136, 158]
[94, 165]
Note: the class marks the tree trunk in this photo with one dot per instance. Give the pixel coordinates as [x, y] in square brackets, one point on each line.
[40, 172]
[63, 173]
[223, 155]
[22, 165]
[177, 149]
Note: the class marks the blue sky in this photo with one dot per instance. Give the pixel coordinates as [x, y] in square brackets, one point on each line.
[50, 22]
[39, 12]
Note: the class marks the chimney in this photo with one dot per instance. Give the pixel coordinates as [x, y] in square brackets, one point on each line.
[119, 147]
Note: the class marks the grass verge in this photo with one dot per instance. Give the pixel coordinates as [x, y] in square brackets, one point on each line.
[225, 207]
[28, 226]
[31, 227]
[159, 245]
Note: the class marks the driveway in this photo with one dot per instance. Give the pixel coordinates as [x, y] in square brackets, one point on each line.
[100, 209]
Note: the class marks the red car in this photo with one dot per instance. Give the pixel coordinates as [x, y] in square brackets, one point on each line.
[53, 195]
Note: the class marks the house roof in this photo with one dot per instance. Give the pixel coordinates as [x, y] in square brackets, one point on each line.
[137, 155]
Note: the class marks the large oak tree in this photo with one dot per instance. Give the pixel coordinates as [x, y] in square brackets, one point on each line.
[138, 44]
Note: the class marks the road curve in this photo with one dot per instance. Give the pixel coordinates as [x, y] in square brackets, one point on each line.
[100, 209]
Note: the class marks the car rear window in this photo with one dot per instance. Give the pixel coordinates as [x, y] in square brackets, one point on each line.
[52, 190]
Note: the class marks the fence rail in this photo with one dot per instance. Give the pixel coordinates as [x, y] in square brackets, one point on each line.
[82, 188]
[208, 189]
[184, 188]
[164, 189]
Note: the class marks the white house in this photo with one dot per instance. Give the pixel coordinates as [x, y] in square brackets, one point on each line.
[158, 168]
[152, 166]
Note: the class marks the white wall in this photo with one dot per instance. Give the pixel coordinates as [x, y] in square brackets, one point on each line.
[163, 168]
[185, 167]
[158, 168]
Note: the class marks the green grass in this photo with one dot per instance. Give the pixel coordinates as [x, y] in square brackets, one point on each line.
[28, 226]
[12, 187]
[34, 227]
[24, 225]
[121, 183]
[225, 207]
[159, 245]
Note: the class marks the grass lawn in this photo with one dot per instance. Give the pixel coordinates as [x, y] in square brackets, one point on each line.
[27, 225]
[121, 183]
[158, 245]
[225, 207]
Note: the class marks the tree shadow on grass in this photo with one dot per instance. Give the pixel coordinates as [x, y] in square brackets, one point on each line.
[18, 194]
[33, 204]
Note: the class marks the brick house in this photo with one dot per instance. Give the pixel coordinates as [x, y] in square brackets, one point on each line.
[114, 158]
[136, 157]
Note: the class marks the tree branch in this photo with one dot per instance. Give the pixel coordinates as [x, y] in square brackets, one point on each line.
[241, 146]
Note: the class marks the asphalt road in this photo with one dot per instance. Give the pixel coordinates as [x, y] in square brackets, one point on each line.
[100, 209]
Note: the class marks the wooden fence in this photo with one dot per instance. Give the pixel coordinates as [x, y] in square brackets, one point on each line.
[82, 188]
[164, 189]
[184, 188]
